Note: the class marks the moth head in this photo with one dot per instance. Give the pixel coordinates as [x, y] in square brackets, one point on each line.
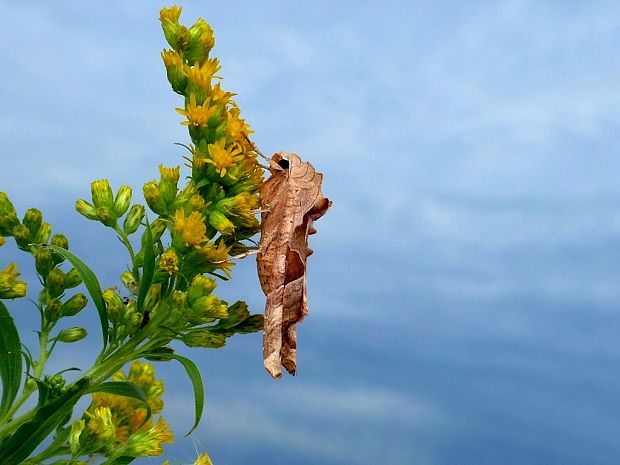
[282, 161]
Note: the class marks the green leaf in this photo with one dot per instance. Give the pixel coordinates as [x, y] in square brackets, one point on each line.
[148, 268]
[125, 389]
[123, 460]
[92, 285]
[250, 325]
[10, 360]
[199, 391]
[29, 435]
[237, 313]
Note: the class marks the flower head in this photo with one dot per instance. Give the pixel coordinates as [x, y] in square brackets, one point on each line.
[10, 287]
[197, 115]
[201, 75]
[223, 158]
[169, 262]
[190, 229]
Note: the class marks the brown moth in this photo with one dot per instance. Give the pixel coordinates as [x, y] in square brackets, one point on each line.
[291, 200]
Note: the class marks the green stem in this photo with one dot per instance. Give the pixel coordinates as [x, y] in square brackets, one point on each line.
[125, 240]
[16, 423]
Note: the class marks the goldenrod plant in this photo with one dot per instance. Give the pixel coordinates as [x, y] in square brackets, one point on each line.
[176, 255]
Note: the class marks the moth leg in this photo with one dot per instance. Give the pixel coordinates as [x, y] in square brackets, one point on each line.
[289, 349]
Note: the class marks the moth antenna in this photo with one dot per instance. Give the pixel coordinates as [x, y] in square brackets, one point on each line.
[183, 145]
[255, 148]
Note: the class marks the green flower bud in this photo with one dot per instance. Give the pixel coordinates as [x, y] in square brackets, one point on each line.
[219, 221]
[32, 220]
[203, 338]
[59, 240]
[158, 228]
[72, 279]
[123, 198]
[154, 199]
[55, 282]
[180, 299]
[106, 216]
[133, 219]
[74, 436]
[53, 311]
[74, 305]
[237, 313]
[152, 297]
[22, 236]
[8, 215]
[130, 282]
[2, 241]
[86, 209]
[43, 234]
[168, 180]
[102, 194]
[206, 309]
[201, 286]
[43, 260]
[73, 334]
[114, 304]
[173, 61]
[200, 43]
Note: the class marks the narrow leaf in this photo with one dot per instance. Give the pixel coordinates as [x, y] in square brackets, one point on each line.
[10, 360]
[196, 379]
[125, 389]
[92, 285]
[148, 268]
[29, 435]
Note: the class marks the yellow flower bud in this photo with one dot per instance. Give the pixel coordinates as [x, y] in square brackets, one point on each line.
[169, 177]
[107, 216]
[73, 334]
[74, 305]
[43, 234]
[219, 221]
[2, 241]
[86, 209]
[122, 201]
[133, 219]
[153, 197]
[201, 286]
[114, 304]
[43, 260]
[102, 194]
[206, 309]
[149, 442]
[74, 436]
[173, 61]
[203, 338]
[8, 215]
[129, 281]
[10, 287]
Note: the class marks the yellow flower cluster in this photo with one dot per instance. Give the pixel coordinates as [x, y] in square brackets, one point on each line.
[223, 160]
[114, 423]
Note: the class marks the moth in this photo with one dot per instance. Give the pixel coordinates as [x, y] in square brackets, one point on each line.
[291, 200]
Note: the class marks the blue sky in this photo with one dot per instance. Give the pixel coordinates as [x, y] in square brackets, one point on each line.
[463, 291]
